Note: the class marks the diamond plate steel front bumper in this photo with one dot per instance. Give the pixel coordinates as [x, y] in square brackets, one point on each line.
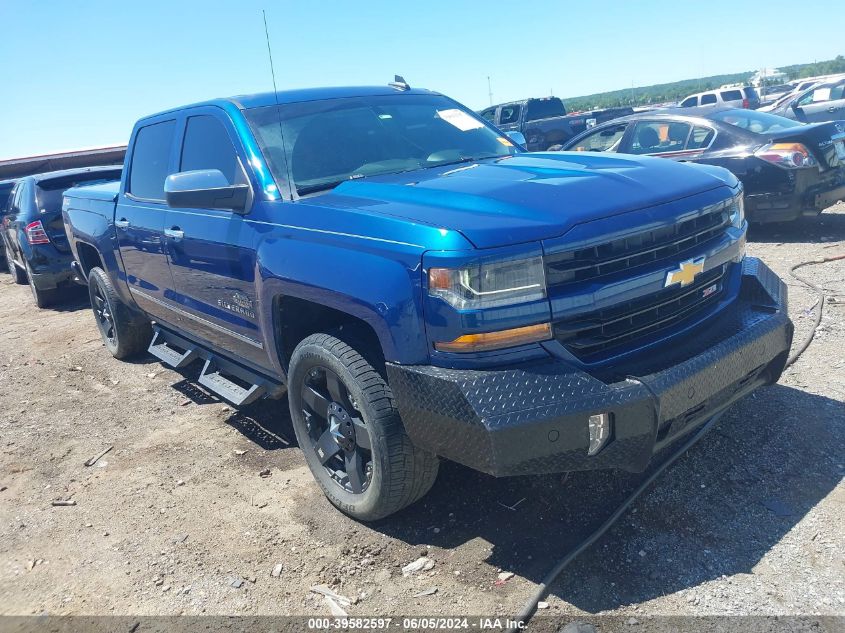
[532, 418]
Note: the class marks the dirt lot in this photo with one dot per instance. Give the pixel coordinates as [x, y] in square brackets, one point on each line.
[176, 519]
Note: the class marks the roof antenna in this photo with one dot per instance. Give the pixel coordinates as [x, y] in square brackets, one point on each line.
[270, 54]
[273, 195]
[399, 83]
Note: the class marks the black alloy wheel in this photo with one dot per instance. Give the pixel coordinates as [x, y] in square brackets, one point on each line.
[348, 427]
[339, 437]
[103, 313]
[125, 333]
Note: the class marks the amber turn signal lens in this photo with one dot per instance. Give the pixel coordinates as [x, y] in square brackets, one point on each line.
[439, 279]
[497, 340]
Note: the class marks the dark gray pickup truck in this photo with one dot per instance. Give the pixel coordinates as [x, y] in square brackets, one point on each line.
[544, 121]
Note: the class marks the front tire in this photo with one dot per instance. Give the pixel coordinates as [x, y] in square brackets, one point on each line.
[122, 335]
[348, 426]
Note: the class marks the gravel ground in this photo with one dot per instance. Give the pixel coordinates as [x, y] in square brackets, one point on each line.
[176, 519]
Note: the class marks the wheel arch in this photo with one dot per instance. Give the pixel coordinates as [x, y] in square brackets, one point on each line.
[88, 257]
[296, 318]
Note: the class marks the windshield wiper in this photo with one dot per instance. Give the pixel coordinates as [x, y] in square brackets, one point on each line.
[457, 161]
[465, 159]
[324, 186]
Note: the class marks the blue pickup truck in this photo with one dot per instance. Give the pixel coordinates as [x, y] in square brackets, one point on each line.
[423, 288]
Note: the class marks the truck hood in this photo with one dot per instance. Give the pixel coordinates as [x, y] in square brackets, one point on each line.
[527, 197]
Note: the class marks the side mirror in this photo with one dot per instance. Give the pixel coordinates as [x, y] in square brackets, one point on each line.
[517, 137]
[204, 189]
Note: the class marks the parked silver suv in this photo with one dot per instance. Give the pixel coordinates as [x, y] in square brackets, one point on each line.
[737, 97]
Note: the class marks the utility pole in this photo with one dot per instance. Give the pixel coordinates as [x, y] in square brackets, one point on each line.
[632, 92]
[489, 89]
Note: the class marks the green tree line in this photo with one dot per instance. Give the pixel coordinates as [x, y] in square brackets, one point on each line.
[677, 90]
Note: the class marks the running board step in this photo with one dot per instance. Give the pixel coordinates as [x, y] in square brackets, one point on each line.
[214, 377]
[167, 354]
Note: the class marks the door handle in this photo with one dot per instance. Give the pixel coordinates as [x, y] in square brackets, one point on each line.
[122, 223]
[176, 233]
[832, 109]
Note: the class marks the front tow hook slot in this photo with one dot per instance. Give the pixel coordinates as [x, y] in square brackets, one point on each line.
[599, 426]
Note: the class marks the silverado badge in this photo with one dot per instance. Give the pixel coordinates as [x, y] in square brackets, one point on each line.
[685, 273]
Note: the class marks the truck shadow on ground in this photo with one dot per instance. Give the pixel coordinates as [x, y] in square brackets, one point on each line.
[71, 300]
[827, 227]
[266, 423]
[717, 511]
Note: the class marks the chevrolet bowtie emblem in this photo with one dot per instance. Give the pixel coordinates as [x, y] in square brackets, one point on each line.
[685, 273]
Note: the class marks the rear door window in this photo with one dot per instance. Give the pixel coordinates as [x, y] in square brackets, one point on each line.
[657, 137]
[604, 140]
[819, 95]
[207, 146]
[708, 99]
[150, 160]
[510, 114]
[732, 95]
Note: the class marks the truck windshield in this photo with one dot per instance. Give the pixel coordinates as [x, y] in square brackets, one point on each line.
[328, 142]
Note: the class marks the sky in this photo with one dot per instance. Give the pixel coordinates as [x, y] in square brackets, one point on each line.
[79, 74]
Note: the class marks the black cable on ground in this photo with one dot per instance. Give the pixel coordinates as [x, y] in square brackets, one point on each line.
[543, 588]
[822, 293]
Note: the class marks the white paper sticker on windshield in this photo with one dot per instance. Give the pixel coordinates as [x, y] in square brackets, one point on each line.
[460, 119]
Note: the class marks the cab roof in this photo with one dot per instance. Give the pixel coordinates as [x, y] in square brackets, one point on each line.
[247, 102]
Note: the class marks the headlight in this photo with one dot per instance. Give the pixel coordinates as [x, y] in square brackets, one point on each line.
[737, 210]
[489, 284]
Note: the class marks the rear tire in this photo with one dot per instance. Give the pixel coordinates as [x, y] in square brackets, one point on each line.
[43, 298]
[17, 274]
[122, 334]
[393, 473]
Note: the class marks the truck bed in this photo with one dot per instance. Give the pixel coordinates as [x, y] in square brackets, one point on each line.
[95, 197]
[88, 213]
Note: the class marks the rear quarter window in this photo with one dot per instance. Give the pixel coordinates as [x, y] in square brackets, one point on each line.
[544, 109]
[150, 160]
[732, 95]
[701, 137]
